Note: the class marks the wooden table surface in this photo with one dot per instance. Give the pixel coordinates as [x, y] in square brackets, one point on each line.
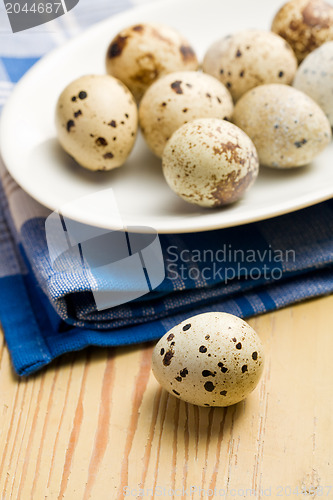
[95, 424]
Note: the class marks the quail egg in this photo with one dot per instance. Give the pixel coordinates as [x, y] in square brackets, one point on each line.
[315, 78]
[140, 54]
[178, 98]
[96, 121]
[250, 58]
[305, 25]
[210, 162]
[212, 359]
[287, 127]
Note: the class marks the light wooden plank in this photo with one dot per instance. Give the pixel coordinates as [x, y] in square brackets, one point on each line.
[96, 424]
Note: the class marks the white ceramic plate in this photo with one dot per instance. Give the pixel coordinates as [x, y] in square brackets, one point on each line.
[35, 160]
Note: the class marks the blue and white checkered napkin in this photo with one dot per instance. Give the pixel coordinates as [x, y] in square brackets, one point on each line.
[244, 270]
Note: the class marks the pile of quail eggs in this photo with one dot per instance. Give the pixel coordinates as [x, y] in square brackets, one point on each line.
[250, 103]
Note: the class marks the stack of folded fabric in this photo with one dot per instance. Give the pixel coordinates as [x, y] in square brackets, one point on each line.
[245, 270]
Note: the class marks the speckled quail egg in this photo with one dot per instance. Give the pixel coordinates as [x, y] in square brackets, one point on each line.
[140, 54]
[315, 78]
[97, 121]
[210, 162]
[212, 359]
[250, 58]
[305, 24]
[287, 127]
[178, 98]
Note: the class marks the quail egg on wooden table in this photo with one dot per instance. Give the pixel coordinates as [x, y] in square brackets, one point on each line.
[287, 127]
[212, 359]
[250, 58]
[178, 98]
[210, 162]
[315, 78]
[305, 24]
[97, 121]
[140, 54]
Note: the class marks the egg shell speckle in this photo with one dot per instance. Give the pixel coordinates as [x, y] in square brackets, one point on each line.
[315, 78]
[287, 127]
[305, 24]
[178, 98]
[140, 54]
[97, 121]
[210, 162]
[212, 359]
[250, 58]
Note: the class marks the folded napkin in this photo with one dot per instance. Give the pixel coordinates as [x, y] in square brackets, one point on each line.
[46, 311]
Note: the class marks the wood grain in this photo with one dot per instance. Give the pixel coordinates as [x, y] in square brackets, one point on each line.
[96, 425]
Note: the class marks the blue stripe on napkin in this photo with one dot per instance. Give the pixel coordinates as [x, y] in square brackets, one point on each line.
[17, 66]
